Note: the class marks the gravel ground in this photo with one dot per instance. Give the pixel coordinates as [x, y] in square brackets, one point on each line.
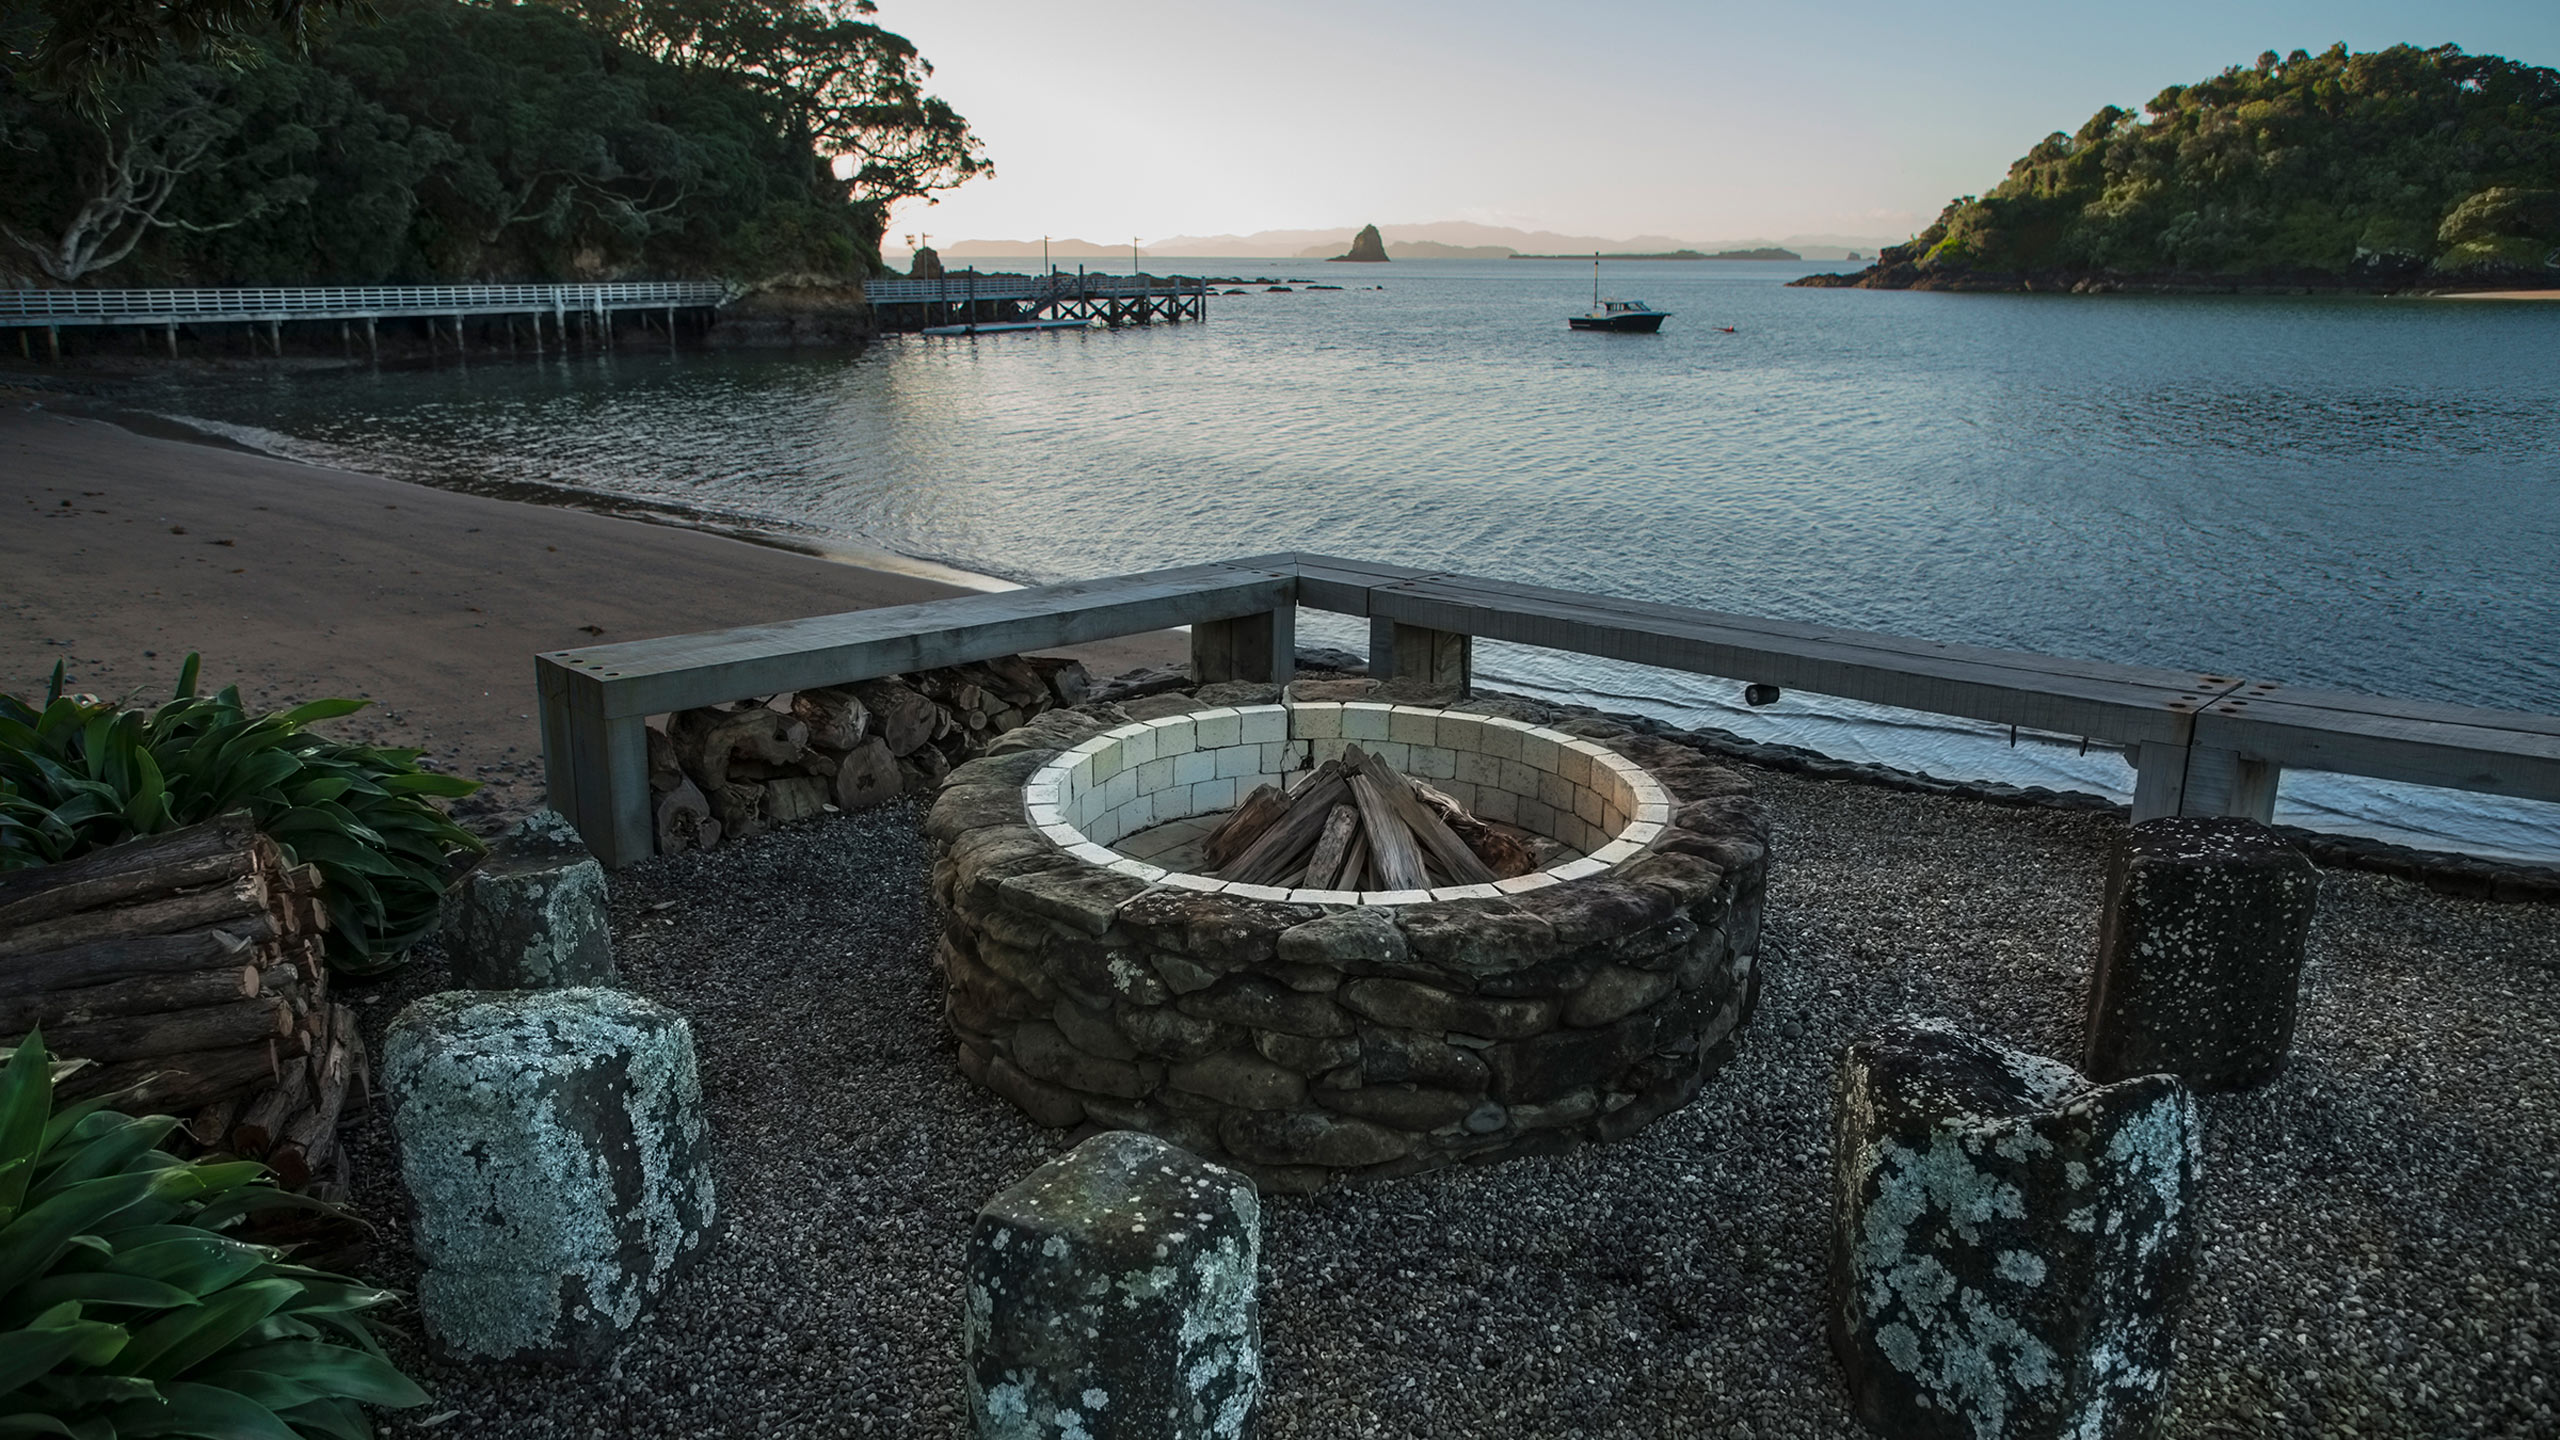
[2380, 1254]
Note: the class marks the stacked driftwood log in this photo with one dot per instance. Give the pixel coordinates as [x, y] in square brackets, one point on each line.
[1357, 824]
[728, 772]
[186, 970]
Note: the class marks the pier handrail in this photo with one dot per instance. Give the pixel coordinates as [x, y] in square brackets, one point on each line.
[2202, 744]
[963, 287]
[331, 302]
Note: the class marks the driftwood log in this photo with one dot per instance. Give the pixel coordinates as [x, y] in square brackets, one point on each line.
[186, 970]
[1356, 823]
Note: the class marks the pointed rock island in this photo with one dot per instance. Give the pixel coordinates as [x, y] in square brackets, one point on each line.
[1368, 245]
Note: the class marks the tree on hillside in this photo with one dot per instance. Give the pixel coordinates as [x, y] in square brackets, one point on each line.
[80, 48]
[444, 140]
[850, 88]
[117, 170]
[2391, 164]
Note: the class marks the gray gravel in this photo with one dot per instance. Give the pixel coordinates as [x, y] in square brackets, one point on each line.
[2381, 1256]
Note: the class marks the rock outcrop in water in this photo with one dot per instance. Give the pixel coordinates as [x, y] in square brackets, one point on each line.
[1368, 245]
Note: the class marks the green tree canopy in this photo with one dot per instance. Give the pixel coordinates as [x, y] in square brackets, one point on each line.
[2387, 165]
[79, 47]
[445, 139]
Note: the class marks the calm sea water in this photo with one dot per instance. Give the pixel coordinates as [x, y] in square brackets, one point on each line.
[2355, 493]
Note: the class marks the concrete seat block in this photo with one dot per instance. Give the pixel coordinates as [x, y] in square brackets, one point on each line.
[558, 1164]
[2010, 1242]
[2199, 967]
[1112, 1296]
[532, 916]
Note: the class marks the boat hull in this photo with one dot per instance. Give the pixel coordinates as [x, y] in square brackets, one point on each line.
[1643, 324]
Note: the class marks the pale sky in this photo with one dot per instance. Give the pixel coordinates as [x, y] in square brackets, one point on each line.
[1705, 120]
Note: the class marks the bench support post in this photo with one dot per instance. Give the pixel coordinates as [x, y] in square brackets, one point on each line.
[2202, 780]
[1260, 648]
[595, 767]
[1438, 658]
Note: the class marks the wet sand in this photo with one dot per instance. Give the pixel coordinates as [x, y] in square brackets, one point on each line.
[123, 551]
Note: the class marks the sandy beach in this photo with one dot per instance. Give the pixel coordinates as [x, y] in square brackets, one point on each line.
[126, 550]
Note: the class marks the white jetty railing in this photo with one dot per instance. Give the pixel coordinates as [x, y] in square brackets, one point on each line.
[257, 305]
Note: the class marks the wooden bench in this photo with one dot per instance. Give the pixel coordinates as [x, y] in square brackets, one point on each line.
[2202, 744]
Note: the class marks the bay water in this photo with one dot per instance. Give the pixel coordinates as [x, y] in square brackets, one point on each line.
[2348, 492]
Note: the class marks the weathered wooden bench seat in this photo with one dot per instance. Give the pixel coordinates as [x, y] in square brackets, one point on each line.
[2202, 743]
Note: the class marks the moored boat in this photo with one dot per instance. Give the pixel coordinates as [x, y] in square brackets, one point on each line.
[1631, 317]
[1625, 317]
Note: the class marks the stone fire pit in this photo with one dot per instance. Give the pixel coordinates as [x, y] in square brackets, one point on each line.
[1308, 1034]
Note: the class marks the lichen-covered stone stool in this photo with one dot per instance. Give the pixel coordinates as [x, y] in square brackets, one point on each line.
[1111, 1296]
[2200, 953]
[532, 916]
[2010, 1242]
[558, 1164]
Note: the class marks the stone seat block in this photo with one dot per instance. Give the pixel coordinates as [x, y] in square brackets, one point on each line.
[1111, 1296]
[2010, 1242]
[532, 916]
[2200, 953]
[558, 1164]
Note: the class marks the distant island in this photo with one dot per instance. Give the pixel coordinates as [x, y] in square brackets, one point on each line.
[2397, 169]
[1770, 252]
[1367, 247]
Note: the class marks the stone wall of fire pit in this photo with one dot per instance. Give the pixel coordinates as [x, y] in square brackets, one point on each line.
[1307, 1035]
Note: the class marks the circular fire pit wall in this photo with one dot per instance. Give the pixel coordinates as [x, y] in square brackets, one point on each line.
[1303, 1034]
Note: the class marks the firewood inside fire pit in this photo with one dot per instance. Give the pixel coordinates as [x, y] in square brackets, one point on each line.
[1357, 824]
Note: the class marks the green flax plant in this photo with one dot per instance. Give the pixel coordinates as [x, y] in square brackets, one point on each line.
[77, 773]
[126, 1312]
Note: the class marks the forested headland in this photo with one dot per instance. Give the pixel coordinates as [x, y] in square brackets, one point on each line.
[2393, 169]
[409, 141]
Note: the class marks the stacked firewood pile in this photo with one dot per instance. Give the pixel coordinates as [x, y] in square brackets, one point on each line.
[186, 970]
[734, 771]
[1357, 824]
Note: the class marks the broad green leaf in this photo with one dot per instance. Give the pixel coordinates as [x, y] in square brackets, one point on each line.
[187, 675]
[71, 1117]
[148, 806]
[30, 1243]
[26, 1098]
[322, 1368]
[316, 711]
[56, 1336]
[121, 1141]
[450, 787]
[200, 1262]
[81, 1392]
[330, 1420]
[206, 1412]
[312, 792]
[95, 1287]
[174, 1344]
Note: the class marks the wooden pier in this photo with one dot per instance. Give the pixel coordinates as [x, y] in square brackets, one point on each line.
[969, 298]
[577, 314]
[2201, 744]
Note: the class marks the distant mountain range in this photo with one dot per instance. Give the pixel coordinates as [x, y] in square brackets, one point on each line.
[1437, 240]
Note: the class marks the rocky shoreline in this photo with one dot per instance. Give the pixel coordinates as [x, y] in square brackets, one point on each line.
[1910, 275]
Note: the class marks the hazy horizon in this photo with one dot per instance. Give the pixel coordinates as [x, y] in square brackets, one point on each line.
[1295, 243]
[1716, 123]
